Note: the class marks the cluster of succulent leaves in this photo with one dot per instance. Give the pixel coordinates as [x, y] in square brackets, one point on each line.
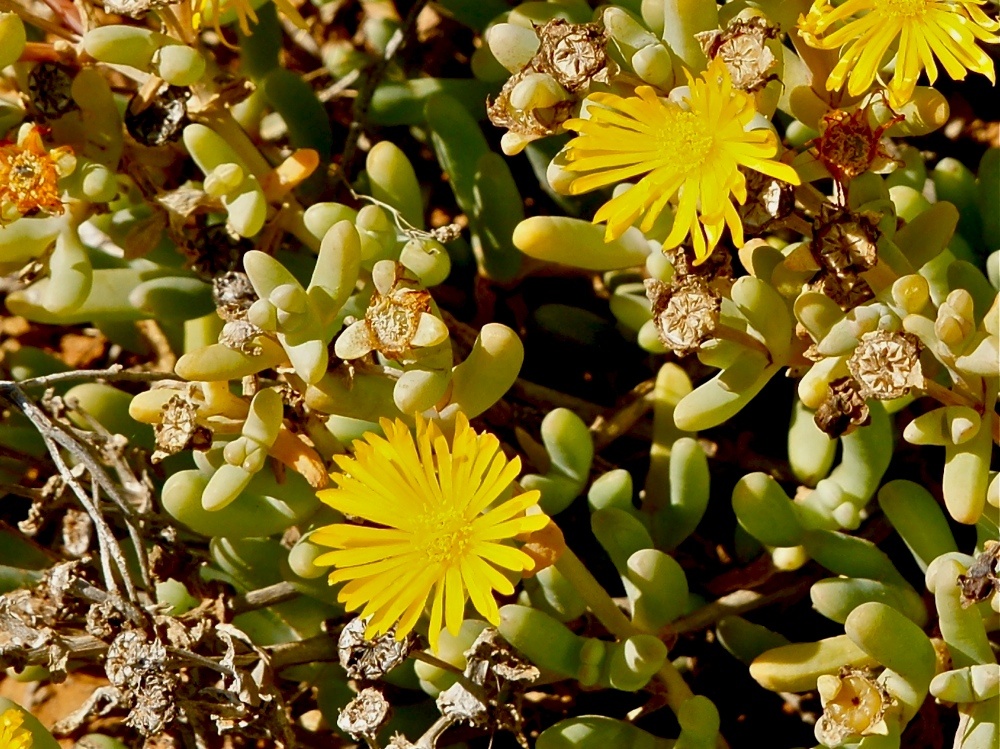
[302, 322]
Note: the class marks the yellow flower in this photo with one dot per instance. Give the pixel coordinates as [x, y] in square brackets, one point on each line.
[29, 175]
[925, 28]
[219, 12]
[436, 517]
[693, 151]
[12, 736]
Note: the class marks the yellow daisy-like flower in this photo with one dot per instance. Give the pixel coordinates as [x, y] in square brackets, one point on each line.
[437, 516]
[925, 28]
[692, 150]
[12, 736]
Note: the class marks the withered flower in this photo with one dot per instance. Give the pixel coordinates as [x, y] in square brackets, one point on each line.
[372, 658]
[983, 577]
[398, 319]
[573, 54]
[849, 146]
[854, 705]
[685, 313]
[843, 410]
[364, 715]
[769, 202]
[179, 429]
[29, 175]
[742, 45]
[886, 364]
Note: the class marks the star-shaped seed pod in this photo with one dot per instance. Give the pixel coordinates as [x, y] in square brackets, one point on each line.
[886, 365]
[686, 314]
[397, 321]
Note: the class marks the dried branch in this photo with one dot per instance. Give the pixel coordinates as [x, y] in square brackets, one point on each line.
[264, 597]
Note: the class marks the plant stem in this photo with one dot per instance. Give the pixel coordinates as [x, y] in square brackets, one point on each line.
[601, 605]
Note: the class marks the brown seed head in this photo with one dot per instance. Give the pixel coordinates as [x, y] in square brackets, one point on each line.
[572, 53]
[742, 45]
[886, 365]
[685, 313]
[845, 243]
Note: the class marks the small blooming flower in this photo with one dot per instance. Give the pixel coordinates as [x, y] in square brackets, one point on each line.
[925, 29]
[29, 175]
[437, 513]
[12, 736]
[691, 151]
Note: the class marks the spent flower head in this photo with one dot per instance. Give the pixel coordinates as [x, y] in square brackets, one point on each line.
[29, 175]
[437, 514]
[925, 29]
[690, 152]
[12, 736]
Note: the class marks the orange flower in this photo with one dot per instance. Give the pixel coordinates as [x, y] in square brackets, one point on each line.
[29, 175]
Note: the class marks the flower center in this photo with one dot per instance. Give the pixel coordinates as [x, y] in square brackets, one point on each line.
[26, 173]
[902, 8]
[444, 537]
[682, 136]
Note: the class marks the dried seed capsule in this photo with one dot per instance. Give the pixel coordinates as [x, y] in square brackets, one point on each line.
[160, 121]
[886, 365]
[49, 89]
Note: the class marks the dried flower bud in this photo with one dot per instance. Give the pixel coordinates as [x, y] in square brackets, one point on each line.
[371, 659]
[769, 202]
[49, 89]
[716, 270]
[854, 705]
[742, 45]
[843, 410]
[848, 145]
[685, 313]
[179, 430]
[886, 365]
[364, 715]
[447, 233]
[526, 124]
[572, 53]
[845, 243]
[983, 578]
